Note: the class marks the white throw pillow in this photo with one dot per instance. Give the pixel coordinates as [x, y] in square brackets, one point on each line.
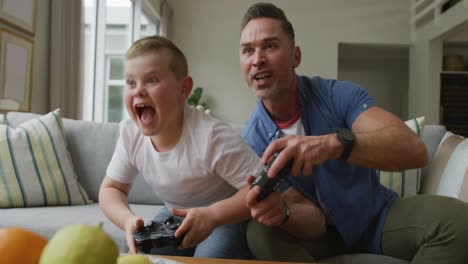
[448, 173]
[35, 166]
[405, 183]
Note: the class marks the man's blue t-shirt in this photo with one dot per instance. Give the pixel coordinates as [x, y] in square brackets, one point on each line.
[351, 197]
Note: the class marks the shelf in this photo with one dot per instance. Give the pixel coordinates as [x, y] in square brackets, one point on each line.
[455, 72]
[454, 85]
[454, 101]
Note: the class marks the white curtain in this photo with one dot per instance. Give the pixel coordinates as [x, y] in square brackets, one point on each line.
[65, 71]
[166, 18]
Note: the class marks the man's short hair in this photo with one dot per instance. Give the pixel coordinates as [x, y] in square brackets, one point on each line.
[268, 10]
[178, 64]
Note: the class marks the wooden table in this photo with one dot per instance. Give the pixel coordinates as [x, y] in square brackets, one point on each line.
[189, 260]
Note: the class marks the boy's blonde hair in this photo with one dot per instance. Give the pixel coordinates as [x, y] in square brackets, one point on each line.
[178, 64]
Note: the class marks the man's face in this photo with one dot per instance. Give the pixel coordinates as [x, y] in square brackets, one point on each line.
[267, 58]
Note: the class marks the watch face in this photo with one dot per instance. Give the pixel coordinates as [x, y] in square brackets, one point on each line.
[346, 134]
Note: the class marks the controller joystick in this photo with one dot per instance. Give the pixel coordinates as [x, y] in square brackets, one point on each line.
[267, 184]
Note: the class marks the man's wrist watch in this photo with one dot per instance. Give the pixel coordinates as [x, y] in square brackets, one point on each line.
[348, 139]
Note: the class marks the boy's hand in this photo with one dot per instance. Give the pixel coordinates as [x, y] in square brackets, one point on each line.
[197, 225]
[131, 225]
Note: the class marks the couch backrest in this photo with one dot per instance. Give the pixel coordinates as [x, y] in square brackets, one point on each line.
[91, 146]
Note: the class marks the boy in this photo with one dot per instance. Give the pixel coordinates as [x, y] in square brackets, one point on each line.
[191, 160]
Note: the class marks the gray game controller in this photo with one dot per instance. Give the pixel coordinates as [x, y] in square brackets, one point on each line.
[267, 184]
[157, 235]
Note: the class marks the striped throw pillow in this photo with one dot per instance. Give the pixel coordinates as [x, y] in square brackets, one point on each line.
[448, 173]
[36, 167]
[405, 183]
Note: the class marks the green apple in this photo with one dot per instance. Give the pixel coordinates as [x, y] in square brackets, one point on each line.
[80, 244]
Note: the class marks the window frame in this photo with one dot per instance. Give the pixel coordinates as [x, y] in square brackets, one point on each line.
[112, 82]
[95, 101]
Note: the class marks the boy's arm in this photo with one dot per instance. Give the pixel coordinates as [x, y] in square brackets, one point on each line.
[113, 200]
[232, 209]
[199, 222]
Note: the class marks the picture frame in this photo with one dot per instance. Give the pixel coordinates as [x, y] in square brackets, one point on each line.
[19, 14]
[16, 65]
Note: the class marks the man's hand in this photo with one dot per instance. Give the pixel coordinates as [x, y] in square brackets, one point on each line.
[269, 211]
[198, 224]
[306, 151]
[130, 226]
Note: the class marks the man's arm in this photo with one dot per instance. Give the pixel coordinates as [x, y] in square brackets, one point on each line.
[383, 142]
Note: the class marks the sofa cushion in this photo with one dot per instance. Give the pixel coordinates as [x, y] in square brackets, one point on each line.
[405, 183]
[91, 158]
[35, 166]
[448, 173]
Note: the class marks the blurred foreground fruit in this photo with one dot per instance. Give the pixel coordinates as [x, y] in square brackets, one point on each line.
[80, 244]
[133, 259]
[20, 245]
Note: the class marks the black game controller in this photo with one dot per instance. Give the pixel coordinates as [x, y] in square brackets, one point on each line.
[157, 235]
[268, 185]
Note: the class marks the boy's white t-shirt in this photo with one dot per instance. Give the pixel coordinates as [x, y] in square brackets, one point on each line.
[209, 163]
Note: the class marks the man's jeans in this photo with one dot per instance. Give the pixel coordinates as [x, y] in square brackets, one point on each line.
[422, 229]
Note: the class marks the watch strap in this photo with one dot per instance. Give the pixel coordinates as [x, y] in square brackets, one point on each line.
[346, 152]
[347, 144]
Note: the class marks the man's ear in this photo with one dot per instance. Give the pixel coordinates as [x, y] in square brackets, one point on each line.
[187, 84]
[297, 57]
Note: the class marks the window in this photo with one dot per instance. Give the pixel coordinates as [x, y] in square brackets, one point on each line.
[110, 26]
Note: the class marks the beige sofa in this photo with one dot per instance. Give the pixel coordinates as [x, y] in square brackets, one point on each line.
[91, 146]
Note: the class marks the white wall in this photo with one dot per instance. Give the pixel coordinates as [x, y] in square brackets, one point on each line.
[382, 70]
[456, 42]
[40, 80]
[459, 34]
[208, 33]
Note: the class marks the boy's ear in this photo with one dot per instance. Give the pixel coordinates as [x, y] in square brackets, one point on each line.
[187, 84]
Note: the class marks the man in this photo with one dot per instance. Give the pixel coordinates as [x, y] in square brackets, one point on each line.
[337, 137]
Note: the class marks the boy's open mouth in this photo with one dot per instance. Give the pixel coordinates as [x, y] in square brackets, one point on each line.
[145, 113]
